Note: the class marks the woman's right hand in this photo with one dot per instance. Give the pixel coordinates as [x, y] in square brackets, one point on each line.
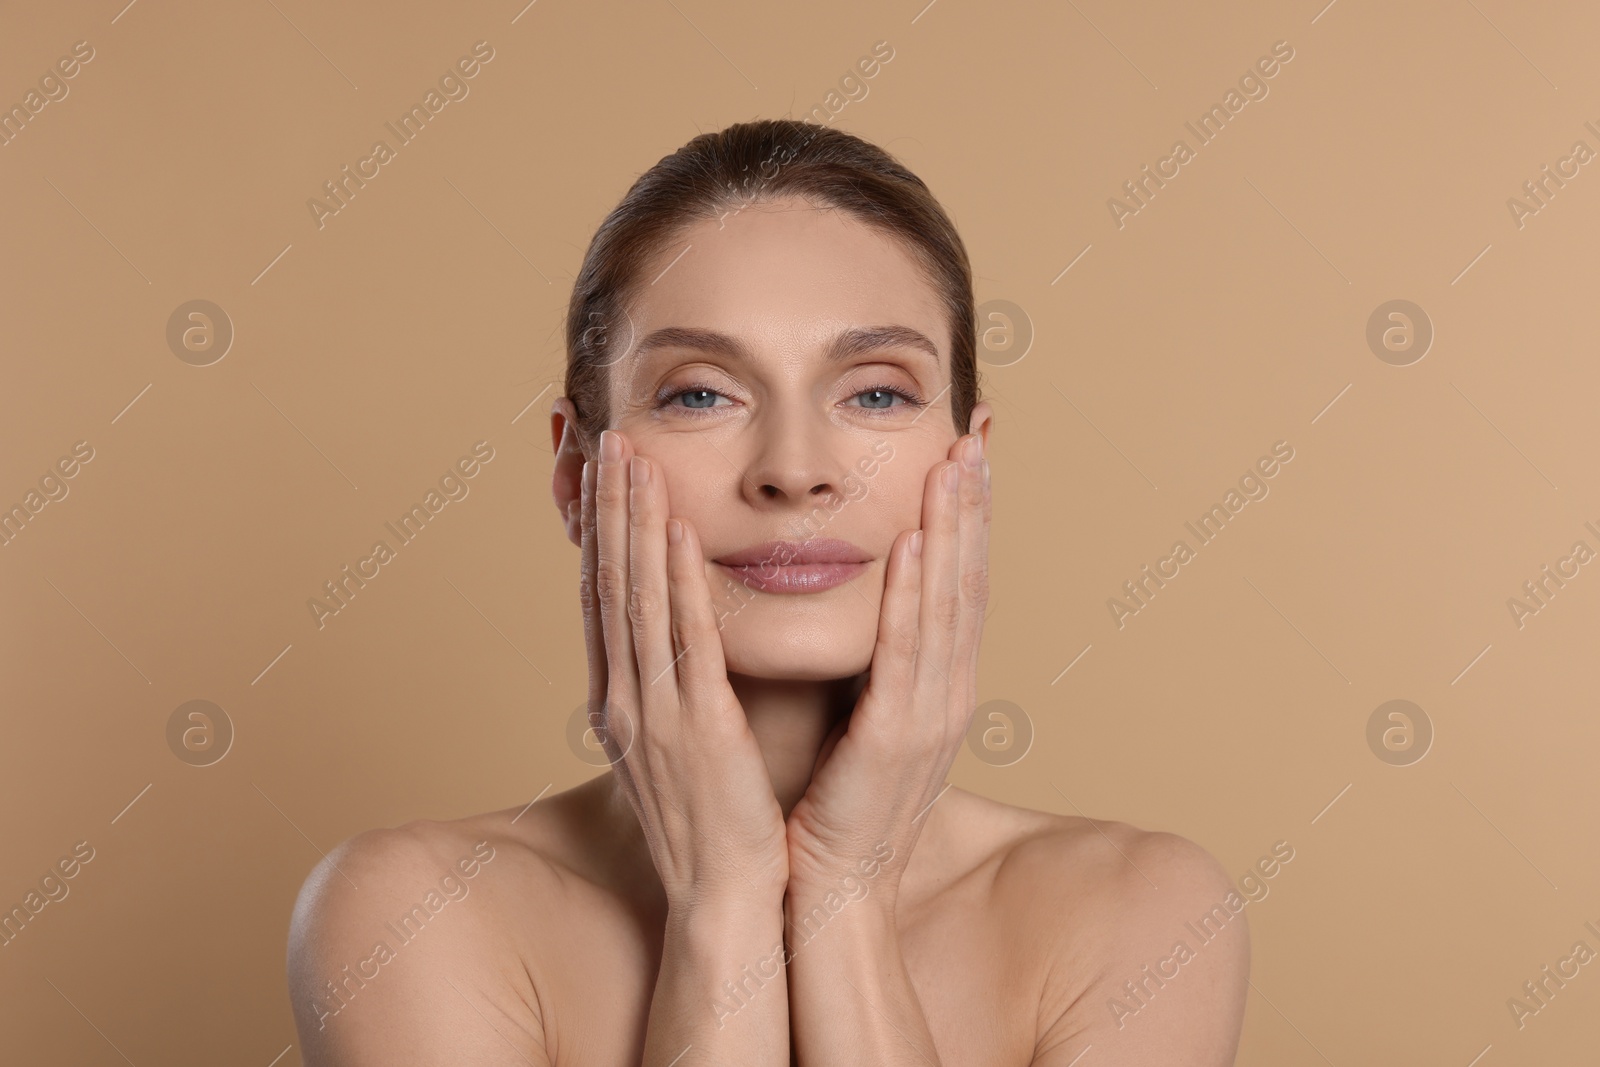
[671, 724]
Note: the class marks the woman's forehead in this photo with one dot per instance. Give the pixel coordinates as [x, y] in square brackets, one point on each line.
[789, 277]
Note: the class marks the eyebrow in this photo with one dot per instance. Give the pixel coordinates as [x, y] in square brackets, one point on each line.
[844, 346]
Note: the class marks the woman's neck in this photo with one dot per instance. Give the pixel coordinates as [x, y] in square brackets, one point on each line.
[791, 720]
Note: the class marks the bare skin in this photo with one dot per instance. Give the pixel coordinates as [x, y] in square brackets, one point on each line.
[774, 871]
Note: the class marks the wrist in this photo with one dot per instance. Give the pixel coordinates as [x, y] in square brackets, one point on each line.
[712, 915]
[872, 882]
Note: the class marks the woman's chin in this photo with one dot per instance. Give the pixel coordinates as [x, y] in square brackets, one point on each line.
[801, 662]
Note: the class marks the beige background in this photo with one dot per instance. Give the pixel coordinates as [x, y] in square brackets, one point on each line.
[1228, 314]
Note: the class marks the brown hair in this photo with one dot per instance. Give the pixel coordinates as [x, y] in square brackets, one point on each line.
[752, 162]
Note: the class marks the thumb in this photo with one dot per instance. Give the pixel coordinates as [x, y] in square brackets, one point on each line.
[829, 743]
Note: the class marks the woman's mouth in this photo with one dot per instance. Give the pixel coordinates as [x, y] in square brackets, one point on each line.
[796, 566]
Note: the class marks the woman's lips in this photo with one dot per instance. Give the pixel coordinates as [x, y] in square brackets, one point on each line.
[794, 577]
[796, 566]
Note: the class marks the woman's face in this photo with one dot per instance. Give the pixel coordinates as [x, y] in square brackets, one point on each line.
[789, 375]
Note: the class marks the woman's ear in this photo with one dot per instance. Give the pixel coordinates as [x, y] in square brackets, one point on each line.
[566, 480]
[982, 422]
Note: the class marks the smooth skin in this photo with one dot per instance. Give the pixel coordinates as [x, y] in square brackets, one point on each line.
[773, 870]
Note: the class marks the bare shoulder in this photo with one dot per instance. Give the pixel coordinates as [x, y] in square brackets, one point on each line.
[1106, 869]
[1147, 944]
[1087, 860]
[397, 947]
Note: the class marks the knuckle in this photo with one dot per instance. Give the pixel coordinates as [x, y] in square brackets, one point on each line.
[947, 609]
[901, 642]
[972, 491]
[612, 723]
[975, 586]
[607, 492]
[609, 576]
[679, 629]
[643, 606]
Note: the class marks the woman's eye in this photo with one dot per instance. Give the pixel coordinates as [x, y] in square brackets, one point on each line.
[695, 398]
[881, 398]
[699, 398]
[878, 398]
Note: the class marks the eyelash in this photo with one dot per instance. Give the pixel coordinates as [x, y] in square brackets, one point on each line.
[666, 398]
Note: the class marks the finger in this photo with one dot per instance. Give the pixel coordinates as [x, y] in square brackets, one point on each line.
[647, 576]
[594, 634]
[616, 734]
[894, 656]
[940, 608]
[699, 669]
[973, 523]
[611, 581]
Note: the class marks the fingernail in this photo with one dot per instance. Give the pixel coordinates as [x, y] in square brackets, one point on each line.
[916, 544]
[639, 471]
[950, 478]
[971, 452]
[674, 531]
[610, 447]
[986, 474]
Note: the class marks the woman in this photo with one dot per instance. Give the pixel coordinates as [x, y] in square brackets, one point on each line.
[772, 455]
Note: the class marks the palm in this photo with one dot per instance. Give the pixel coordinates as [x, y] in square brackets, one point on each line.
[825, 821]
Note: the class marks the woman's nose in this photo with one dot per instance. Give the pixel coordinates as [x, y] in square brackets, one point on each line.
[772, 491]
[795, 465]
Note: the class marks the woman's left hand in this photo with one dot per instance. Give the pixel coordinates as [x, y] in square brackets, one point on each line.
[883, 767]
